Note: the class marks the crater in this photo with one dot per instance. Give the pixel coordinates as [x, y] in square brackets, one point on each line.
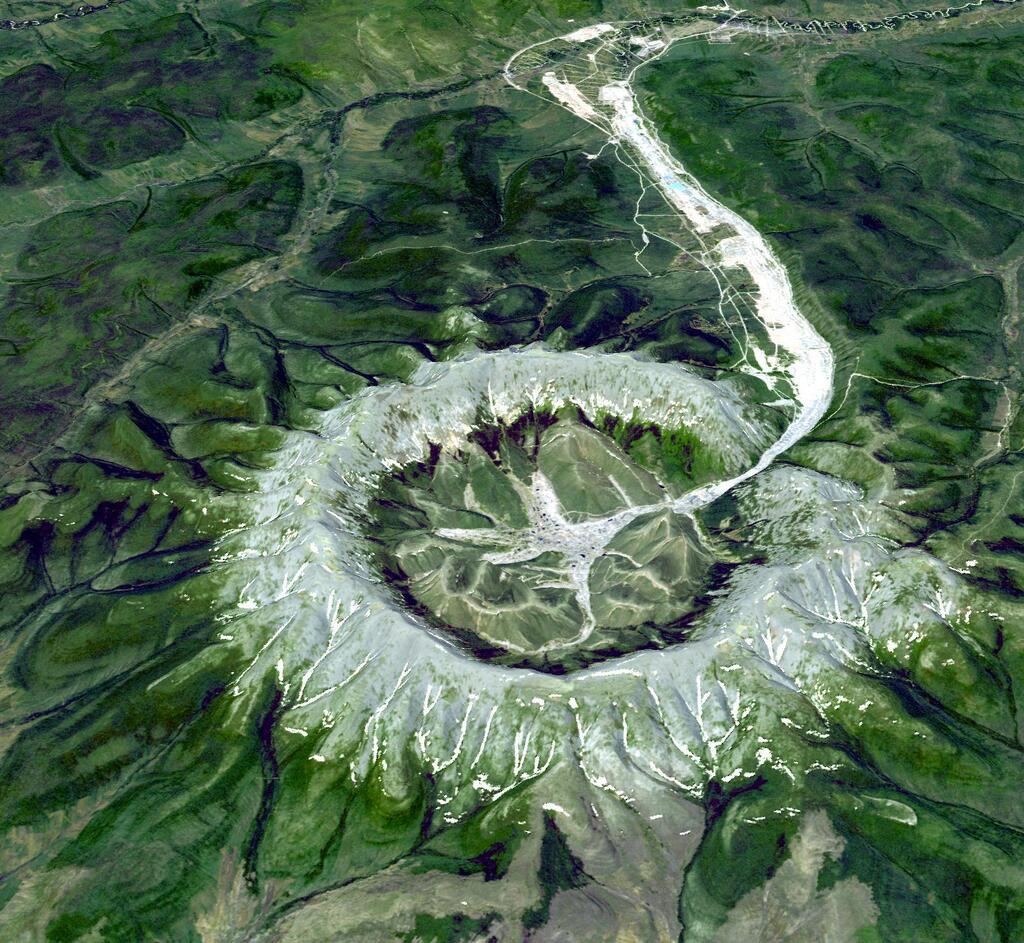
[550, 541]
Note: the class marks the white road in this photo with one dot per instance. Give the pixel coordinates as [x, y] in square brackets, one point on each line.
[801, 354]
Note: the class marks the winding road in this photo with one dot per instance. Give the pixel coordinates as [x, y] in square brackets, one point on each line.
[800, 353]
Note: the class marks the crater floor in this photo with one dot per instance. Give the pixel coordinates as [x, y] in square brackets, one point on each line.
[509, 542]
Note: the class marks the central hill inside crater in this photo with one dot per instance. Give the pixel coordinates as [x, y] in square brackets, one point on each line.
[549, 542]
